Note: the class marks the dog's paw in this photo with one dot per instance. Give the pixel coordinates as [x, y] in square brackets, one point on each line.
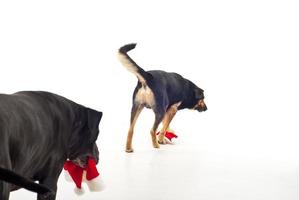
[156, 145]
[162, 141]
[48, 195]
[130, 150]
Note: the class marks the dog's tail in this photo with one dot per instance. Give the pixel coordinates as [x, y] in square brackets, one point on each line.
[11, 177]
[127, 61]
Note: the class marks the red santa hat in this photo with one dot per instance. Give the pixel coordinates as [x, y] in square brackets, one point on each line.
[169, 135]
[89, 174]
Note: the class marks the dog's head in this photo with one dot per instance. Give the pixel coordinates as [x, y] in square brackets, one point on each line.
[83, 140]
[199, 100]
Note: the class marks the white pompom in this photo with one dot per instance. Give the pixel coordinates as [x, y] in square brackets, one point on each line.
[79, 191]
[96, 184]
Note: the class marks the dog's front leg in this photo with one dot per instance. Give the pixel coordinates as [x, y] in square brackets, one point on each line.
[166, 121]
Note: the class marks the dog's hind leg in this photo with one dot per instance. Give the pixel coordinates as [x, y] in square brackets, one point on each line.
[136, 110]
[4, 186]
[158, 118]
[4, 190]
[54, 169]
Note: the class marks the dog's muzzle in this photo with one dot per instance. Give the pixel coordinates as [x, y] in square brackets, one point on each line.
[201, 106]
[201, 109]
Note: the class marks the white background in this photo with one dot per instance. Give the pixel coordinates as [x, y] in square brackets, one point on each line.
[244, 54]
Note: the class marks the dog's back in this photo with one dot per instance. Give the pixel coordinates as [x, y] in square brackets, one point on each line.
[168, 85]
[31, 115]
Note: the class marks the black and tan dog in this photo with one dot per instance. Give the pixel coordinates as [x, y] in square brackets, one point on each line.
[39, 131]
[164, 92]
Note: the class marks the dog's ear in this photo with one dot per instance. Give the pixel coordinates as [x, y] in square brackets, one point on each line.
[198, 93]
[94, 118]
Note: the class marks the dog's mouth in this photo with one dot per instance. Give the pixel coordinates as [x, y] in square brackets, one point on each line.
[80, 161]
[200, 106]
[201, 109]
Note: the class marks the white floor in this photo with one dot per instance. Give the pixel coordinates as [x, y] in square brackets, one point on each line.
[205, 163]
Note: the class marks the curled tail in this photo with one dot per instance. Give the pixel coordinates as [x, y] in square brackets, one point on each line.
[11, 177]
[130, 65]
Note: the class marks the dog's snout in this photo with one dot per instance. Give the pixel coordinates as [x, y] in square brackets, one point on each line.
[201, 106]
[204, 106]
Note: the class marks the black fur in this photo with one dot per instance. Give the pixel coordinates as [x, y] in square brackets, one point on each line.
[39, 131]
[168, 88]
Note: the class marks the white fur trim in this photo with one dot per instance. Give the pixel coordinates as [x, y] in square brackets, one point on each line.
[78, 191]
[168, 141]
[96, 184]
[67, 176]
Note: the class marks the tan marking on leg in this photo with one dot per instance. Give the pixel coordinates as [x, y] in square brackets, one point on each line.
[166, 121]
[154, 138]
[129, 148]
[158, 119]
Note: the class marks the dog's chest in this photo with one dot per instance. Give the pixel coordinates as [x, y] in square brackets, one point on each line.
[145, 96]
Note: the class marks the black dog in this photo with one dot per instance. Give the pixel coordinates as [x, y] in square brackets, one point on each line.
[161, 91]
[39, 131]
